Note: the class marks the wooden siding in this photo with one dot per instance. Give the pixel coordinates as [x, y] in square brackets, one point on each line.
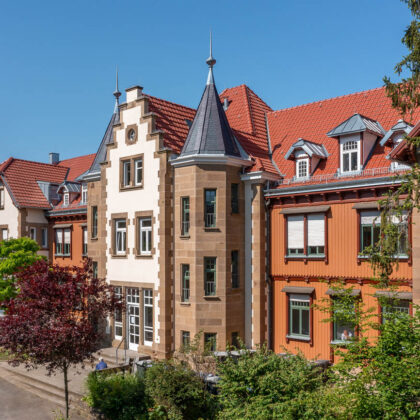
[342, 249]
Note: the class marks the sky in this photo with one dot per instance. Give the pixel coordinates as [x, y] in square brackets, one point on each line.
[58, 58]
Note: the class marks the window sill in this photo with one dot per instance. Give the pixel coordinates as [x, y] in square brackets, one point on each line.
[298, 338]
[62, 255]
[141, 256]
[211, 229]
[366, 257]
[185, 303]
[340, 343]
[119, 256]
[211, 297]
[94, 238]
[184, 236]
[130, 187]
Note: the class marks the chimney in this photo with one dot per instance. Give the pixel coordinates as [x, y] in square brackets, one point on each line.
[133, 93]
[225, 104]
[54, 158]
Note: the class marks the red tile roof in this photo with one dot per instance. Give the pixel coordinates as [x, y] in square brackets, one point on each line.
[314, 120]
[77, 165]
[21, 177]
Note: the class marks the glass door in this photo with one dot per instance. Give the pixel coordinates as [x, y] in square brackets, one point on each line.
[133, 315]
[148, 317]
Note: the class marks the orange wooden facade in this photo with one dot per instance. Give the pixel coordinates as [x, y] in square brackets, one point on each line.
[341, 262]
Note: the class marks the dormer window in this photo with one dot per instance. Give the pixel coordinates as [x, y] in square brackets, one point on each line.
[350, 156]
[66, 199]
[84, 193]
[302, 168]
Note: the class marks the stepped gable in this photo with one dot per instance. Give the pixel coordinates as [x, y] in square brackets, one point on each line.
[314, 120]
[246, 114]
[21, 178]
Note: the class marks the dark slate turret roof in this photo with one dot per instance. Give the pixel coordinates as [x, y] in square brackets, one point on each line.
[210, 131]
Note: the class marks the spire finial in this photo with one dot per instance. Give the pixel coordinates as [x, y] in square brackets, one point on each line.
[211, 61]
[117, 93]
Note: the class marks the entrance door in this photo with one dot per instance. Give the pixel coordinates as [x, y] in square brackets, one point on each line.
[133, 321]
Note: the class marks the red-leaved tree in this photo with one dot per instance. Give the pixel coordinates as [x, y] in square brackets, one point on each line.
[54, 319]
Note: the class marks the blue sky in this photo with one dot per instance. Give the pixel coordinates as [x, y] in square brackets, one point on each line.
[58, 58]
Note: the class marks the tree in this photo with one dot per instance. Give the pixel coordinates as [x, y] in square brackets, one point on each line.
[53, 320]
[15, 254]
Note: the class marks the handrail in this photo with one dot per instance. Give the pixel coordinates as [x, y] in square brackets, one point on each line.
[118, 347]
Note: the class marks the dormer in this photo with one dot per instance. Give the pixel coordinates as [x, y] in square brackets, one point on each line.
[357, 137]
[69, 192]
[396, 133]
[307, 156]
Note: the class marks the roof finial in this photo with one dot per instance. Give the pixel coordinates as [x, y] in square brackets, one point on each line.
[211, 62]
[117, 93]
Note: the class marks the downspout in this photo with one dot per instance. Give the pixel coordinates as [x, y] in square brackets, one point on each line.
[173, 257]
[268, 275]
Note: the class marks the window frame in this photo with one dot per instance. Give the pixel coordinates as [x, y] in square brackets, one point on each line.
[44, 244]
[185, 283]
[66, 199]
[304, 160]
[59, 232]
[382, 312]
[2, 197]
[185, 338]
[85, 241]
[234, 198]
[235, 274]
[349, 153]
[336, 324]
[300, 308]
[210, 219]
[148, 302]
[306, 254]
[149, 235]
[210, 288]
[210, 337]
[119, 293]
[94, 216]
[138, 183]
[185, 214]
[130, 164]
[123, 233]
[68, 252]
[84, 195]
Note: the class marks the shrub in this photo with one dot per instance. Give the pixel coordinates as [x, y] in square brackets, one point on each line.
[176, 388]
[117, 396]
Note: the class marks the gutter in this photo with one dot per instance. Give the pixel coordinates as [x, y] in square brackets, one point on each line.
[332, 186]
[66, 212]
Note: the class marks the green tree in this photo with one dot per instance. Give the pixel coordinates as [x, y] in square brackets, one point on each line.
[15, 255]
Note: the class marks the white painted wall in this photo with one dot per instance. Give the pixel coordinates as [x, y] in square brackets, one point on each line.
[9, 215]
[131, 269]
[36, 216]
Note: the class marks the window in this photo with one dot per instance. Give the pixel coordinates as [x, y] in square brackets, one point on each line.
[314, 226]
[67, 242]
[210, 341]
[118, 321]
[185, 338]
[120, 236]
[84, 193]
[145, 235]
[234, 204]
[302, 168]
[210, 208]
[59, 241]
[95, 269]
[343, 329]
[44, 238]
[394, 308]
[235, 269]
[185, 292]
[138, 172]
[235, 339]
[209, 276]
[94, 221]
[1, 198]
[4, 234]
[32, 233]
[185, 216]
[126, 173]
[85, 241]
[350, 156]
[148, 316]
[66, 199]
[299, 315]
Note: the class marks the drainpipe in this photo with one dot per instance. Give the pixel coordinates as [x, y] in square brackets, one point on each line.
[268, 275]
[173, 257]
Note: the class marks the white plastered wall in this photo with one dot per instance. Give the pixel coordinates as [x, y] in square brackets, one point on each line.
[10, 215]
[131, 269]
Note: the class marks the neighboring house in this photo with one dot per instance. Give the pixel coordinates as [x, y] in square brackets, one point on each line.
[28, 192]
[334, 155]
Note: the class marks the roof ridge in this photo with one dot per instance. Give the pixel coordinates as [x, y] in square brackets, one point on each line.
[4, 165]
[325, 100]
[76, 157]
[248, 100]
[170, 102]
[249, 89]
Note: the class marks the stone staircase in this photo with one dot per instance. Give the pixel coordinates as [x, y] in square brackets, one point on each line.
[109, 356]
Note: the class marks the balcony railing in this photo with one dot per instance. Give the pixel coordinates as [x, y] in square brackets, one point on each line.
[210, 220]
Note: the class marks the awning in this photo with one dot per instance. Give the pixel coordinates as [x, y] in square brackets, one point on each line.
[332, 292]
[366, 205]
[394, 295]
[83, 224]
[62, 226]
[299, 290]
[308, 209]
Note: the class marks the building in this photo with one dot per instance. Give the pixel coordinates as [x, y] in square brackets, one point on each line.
[335, 158]
[31, 199]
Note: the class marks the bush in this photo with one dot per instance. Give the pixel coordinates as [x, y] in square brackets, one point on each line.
[257, 384]
[117, 396]
[179, 390]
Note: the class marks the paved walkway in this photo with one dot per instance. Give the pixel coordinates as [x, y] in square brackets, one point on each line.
[19, 404]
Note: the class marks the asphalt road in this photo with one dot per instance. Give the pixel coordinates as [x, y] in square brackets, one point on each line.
[19, 404]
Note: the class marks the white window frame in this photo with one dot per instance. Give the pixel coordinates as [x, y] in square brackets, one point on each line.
[32, 233]
[4, 234]
[147, 230]
[147, 303]
[67, 241]
[84, 240]
[126, 168]
[44, 237]
[345, 140]
[118, 324]
[2, 198]
[120, 231]
[138, 166]
[84, 193]
[298, 162]
[66, 199]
